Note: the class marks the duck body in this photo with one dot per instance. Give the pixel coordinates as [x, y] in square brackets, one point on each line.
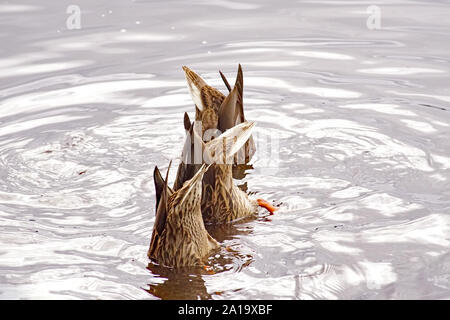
[222, 200]
[179, 236]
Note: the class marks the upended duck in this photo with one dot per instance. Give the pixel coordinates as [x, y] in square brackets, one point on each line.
[179, 236]
[222, 200]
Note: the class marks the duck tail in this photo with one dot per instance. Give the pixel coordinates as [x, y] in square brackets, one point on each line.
[191, 155]
[222, 149]
[195, 84]
[231, 112]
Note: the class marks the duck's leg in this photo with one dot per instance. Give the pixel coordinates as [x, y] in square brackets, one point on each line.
[266, 205]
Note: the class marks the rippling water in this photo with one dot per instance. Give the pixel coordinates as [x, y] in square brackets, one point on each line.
[361, 116]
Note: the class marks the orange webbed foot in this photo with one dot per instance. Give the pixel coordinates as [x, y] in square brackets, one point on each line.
[266, 205]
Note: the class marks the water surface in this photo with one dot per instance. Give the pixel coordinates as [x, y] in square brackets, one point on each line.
[361, 171]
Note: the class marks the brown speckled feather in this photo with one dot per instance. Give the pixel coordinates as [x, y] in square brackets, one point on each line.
[215, 111]
[182, 239]
[222, 201]
[188, 166]
[204, 96]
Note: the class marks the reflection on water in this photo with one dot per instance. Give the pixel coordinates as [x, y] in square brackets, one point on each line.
[190, 282]
[181, 284]
[361, 171]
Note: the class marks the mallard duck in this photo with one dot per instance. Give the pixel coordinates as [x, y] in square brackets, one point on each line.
[179, 236]
[222, 201]
[215, 111]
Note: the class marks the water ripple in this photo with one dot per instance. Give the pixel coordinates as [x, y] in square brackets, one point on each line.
[358, 157]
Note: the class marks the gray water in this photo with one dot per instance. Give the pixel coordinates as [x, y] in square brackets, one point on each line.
[361, 115]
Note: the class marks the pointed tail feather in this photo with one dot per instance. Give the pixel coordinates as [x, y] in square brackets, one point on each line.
[239, 87]
[193, 182]
[250, 147]
[228, 112]
[191, 156]
[223, 148]
[163, 192]
[239, 84]
[195, 85]
[227, 84]
[231, 115]
[187, 122]
[159, 184]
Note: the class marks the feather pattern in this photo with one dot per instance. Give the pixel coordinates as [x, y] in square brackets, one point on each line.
[215, 111]
[182, 239]
[222, 201]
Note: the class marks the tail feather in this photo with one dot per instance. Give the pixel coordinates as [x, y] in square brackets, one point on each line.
[227, 84]
[159, 185]
[191, 156]
[228, 112]
[195, 85]
[223, 148]
[231, 112]
[239, 84]
[163, 192]
[192, 183]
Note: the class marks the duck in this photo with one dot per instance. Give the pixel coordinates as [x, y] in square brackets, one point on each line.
[216, 113]
[222, 201]
[179, 237]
